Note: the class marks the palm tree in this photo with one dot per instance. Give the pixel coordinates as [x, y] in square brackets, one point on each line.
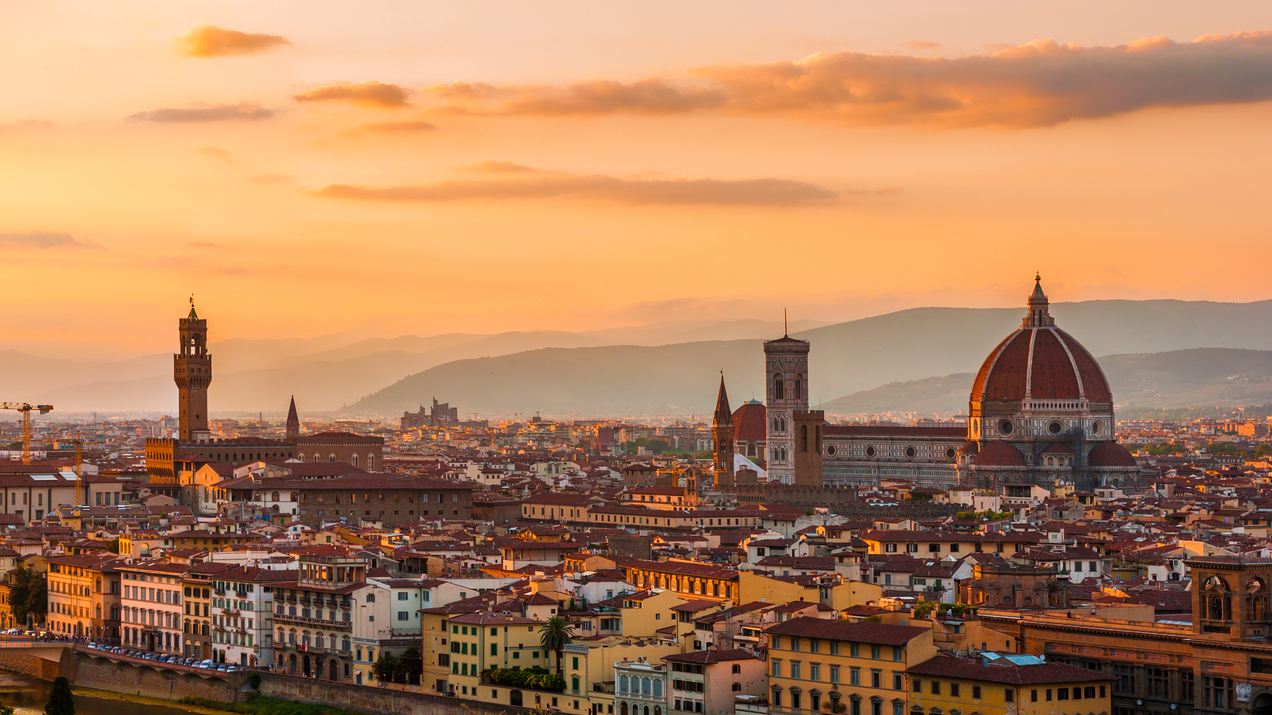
[554, 635]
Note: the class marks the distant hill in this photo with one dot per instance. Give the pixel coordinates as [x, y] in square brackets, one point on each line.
[1200, 377]
[613, 371]
[847, 358]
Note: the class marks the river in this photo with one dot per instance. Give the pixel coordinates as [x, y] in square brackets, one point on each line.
[27, 696]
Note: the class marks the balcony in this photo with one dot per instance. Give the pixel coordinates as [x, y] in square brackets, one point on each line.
[316, 622]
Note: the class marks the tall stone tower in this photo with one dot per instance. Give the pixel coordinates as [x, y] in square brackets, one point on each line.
[192, 371]
[722, 435]
[806, 430]
[293, 422]
[786, 392]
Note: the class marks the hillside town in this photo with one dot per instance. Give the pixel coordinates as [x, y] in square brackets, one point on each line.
[1038, 556]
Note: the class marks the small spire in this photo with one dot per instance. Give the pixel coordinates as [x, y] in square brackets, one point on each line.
[723, 415]
[786, 325]
[193, 314]
[1038, 314]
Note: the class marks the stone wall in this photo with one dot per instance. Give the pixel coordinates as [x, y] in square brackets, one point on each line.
[152, 681]
[366, 699]
[41, 664]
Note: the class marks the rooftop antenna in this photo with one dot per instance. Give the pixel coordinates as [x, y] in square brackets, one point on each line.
[786, 326]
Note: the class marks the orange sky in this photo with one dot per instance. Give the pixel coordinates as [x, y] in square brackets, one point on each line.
[309, 168]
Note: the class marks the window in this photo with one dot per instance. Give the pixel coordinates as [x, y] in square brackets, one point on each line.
[814, 671]
[916, 685]
[1010, 695]
[777, 668]
[795, 669]
[954, 690]
[936, 687]
[834, 674]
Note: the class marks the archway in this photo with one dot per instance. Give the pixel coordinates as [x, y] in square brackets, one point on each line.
[1262, 705]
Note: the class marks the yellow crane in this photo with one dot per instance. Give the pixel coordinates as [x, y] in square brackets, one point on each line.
[26, 410]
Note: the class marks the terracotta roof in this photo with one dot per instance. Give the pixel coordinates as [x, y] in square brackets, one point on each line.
[709, 656]
[750, 422]
[999, 454]
[872, 633]
[1004, 671]
[1110, 454]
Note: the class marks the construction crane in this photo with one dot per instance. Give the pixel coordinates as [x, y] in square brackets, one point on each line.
[26, 410]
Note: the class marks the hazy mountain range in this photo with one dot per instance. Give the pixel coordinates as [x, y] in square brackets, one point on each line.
[884, 363]
[1198, 378]
[847, 358]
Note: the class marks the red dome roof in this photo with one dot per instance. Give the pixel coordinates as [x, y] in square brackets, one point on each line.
[1040, 362]
[750, 422]
[999, 454]
[1110, 454]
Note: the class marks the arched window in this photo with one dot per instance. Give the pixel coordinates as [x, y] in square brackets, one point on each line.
[1218, 600]
[370, 462]
[644, 686]
[657, 688]
[274, 496]
[779, 389]
[803, 438]
[799, 387]
[622, 684]
[353, 460]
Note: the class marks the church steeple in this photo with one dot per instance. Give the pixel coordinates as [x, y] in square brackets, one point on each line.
[722, 411]
[722, 436]
[293, 421]
[1039, 313]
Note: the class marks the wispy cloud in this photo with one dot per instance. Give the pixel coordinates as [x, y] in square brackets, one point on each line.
[44, 240]
[24, 125]
[1037, 84]
[405, 127]
[210, 41]
[379, 95]
[208, 113]
[518, 182]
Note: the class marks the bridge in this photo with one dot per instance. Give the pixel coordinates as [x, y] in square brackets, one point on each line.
[118, 672]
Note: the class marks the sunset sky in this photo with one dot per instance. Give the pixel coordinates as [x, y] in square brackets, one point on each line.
[314, 167]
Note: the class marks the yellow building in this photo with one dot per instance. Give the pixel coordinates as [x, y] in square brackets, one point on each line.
[815, 662]
[1007, 685]
[488, 639]
[689, 579]
[646, 612]
[84, 597]
[938, 544]
[589, 669]
[837, 594]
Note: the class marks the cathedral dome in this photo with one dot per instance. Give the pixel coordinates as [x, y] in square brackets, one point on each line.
[1040, 362]
[1110, 454]
[750, 422]
[999, 454]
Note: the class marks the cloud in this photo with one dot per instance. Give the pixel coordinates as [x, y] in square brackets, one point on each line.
[405, 127]
[366, 94]
[207, 113]
[527, 183]
[1038, 84]
[44, 240]
[217, 154]
[500, 167]
[210, 41]
[24, 125]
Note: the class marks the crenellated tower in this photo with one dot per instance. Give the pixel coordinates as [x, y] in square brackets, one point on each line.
[192, 371]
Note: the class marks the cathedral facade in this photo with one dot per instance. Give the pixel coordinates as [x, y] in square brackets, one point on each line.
[1040, 411]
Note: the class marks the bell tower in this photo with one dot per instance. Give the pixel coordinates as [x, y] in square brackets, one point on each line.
[192, 371]
[786, 393]
[722, 435]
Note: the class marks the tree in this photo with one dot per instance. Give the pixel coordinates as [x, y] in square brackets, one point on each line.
[410, 665]
[28, 594]
[61, 702]
[385, 667]
[554, 635]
